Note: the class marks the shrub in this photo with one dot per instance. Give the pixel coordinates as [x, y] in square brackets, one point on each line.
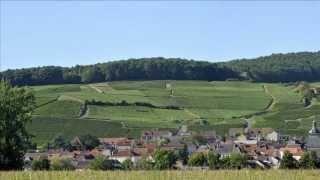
[197, 159]
[89, 142]
[62, 164]
[288, 162]
[144, 164]
[101, 163]
[214, 161]
[309, 160]
[42, 164]
[127, 164]
[164, 159]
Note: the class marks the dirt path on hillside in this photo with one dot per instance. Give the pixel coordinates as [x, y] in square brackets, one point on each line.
[191, 113]
[70, 98]
[273, 100]
[96, 88]
[86, 113]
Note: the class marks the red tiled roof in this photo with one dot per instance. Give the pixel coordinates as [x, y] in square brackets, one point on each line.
[125, 153]
[117, 141]
[155, 133]
[296, 151]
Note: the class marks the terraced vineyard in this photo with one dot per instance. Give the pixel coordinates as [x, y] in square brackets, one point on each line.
[125, 108]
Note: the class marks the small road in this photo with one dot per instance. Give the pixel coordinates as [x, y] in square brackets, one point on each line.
[273, 98]
[96, 89]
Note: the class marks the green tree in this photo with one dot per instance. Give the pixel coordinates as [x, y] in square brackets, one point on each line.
[238, 161]
[183, 154]
[164, 159]
[16, 106]
[309, 160]
[144, 164]
[41, 164]
[60, 143]
[89, 142]
[214, 161]
[92, 74]
[288, 162]
[101, 163]
[127, 164]
[197, 159]
[62, 164]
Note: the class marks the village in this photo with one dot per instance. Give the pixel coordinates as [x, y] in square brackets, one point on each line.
[263, 148]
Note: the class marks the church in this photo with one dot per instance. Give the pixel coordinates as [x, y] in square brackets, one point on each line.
[313, 142]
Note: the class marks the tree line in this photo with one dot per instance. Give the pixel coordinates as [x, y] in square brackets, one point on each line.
[291, 67]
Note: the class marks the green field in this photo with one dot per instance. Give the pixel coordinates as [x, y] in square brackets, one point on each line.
[203, 106]
[165, 175]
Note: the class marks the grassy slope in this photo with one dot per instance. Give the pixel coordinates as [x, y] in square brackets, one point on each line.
[288, 113]
[166, 175]
[221, 104]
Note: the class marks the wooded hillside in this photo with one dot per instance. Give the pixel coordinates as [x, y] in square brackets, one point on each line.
[304, 66]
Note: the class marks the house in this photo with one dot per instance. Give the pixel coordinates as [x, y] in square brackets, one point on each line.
[35, 156]
[284, 137]
[242, 139]
[257, 133]
[209, 136]
[313, 141]
[121, 155]
[155, 135]
[273, 136]
[134, 155]
[191, 147]
[172, 146]
[29, 157]
[296, 152]
[234, 132]
[203, 149]
[226, 148]
[122, 143]
[183, 131]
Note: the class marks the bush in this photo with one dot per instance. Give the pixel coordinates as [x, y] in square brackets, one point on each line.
[309, 160]
[288, 162]
[40, 165]
[144, 164]
[164, 159]
[127, 164]
[62, 164]
[238, 161]
[89, 142]
[214, 161]
[197, 159]
[101, 163]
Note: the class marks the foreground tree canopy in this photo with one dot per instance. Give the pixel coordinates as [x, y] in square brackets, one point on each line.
[304, 66]
[16, 105]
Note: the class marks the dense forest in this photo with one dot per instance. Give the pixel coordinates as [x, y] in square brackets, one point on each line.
[303, 66]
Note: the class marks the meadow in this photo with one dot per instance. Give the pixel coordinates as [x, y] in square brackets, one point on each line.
[165, 175]
[202, 106]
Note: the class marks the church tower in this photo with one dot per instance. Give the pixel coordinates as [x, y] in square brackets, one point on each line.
[313, 143]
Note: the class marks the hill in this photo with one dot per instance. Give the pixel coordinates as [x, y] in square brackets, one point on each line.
[125, 108]
[291, 67]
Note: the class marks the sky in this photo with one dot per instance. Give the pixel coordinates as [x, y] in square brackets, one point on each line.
[38, 33]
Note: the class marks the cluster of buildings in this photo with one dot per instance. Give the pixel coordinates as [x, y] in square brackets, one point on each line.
[264, 146]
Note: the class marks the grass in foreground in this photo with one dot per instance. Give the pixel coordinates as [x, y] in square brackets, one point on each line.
[166, 175]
